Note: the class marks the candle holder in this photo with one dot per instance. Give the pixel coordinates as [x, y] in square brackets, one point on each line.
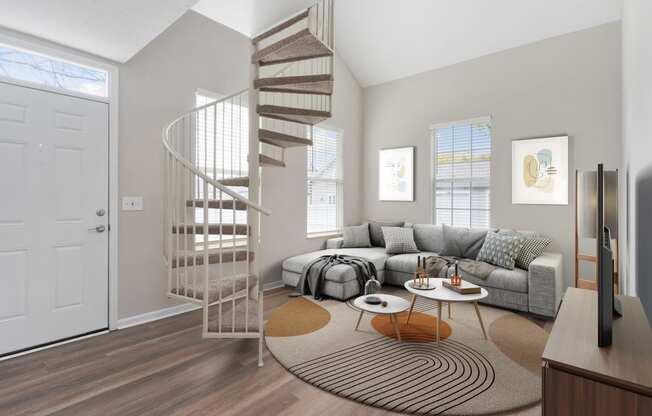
[456, 279]
[420, 275]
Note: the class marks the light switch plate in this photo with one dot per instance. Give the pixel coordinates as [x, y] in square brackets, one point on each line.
[132, 203]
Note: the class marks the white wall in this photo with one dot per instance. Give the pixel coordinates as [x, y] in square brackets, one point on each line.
[564, 85]
[637, 154]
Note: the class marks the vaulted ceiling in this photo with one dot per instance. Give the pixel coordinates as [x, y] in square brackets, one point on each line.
[113, 29]
[383, 40]
[380, 40]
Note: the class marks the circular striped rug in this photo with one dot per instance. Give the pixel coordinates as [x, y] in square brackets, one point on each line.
[462, 375]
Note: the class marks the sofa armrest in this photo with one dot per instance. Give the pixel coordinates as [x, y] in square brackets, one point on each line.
[335, 242]
[545, 284]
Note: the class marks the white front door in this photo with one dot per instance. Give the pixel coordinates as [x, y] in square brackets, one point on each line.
[53, 195]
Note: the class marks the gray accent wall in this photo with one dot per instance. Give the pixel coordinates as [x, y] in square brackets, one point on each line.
[157, 85]
[637, 154]
[569, 84]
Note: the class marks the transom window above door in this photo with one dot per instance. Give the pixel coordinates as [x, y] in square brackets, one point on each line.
[461, 163]
[36, 68]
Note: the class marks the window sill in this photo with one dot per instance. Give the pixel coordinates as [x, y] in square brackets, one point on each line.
[332, 234]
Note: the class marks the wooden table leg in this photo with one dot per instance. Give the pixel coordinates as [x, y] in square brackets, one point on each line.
[394, 319]
[449, 310]
[359, 319]
[477, 312]
[438, 318]
[414, 299]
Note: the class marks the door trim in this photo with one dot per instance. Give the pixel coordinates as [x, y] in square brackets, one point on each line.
[10, 37]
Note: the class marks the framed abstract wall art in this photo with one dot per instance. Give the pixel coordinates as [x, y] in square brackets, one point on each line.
[396, 174]
[540, 171]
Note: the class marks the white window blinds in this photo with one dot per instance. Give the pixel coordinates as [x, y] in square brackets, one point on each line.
[462, 171]
[325, 184]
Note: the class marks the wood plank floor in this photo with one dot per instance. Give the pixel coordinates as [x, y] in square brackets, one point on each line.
[164, 368]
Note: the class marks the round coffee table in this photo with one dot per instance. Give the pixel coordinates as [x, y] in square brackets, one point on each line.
[395, 305]
[442, 294]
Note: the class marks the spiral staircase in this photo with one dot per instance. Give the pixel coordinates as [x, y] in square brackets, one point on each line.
[214, 158]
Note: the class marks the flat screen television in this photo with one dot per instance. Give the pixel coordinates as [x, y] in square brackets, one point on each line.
[608, 304]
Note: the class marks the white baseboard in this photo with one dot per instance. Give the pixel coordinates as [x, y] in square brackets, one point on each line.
[174, 310]
[156, 315]
[273, 285]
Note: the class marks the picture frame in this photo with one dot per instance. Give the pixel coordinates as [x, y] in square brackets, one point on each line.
[540, 172]
[396, 174]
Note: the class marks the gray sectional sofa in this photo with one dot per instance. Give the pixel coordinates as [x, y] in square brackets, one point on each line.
[537, 290]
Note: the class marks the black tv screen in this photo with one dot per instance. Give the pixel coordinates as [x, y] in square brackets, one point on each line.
[608, 305]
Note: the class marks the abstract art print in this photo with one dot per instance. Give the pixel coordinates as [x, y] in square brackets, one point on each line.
[540, 171]
[396, 174]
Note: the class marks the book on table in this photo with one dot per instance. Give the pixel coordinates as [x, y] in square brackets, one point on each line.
[465, 288]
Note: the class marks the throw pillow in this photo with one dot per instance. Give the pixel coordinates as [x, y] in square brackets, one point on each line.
[356, 236]
[532, 247]
[376, 231]
[462, 242]
[399, 240]
[501, 249]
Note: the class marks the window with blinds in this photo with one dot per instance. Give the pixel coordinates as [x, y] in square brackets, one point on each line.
[220, 150]
[462, 171]
[325, 183]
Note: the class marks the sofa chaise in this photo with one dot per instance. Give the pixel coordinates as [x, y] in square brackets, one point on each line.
[537, 290]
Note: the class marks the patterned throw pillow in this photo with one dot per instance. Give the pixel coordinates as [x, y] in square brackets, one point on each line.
[501, 249]
[532, 248]
[376, 231]
[399, 240]
[356, 236]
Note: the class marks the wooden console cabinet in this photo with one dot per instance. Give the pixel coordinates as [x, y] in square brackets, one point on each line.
[580, 379]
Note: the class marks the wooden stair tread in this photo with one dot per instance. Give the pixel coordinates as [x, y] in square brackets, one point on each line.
[225, 286]
[265, 160]
[240, 181]
[213, 229]
[297, 47]
[275, 138]
[213, 258]
[293, 114]
[282, 26]
[304, 84]
[217, 204]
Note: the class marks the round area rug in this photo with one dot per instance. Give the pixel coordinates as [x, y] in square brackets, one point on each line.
[462, 375]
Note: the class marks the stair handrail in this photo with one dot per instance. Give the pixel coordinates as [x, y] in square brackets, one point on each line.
[188, 164]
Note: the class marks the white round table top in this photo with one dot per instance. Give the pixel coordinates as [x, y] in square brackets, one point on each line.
[443, 294]
[394, 304]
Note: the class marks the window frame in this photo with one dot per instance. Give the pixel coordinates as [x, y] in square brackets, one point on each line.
[433, 161]
[339, 183]
[61, 55]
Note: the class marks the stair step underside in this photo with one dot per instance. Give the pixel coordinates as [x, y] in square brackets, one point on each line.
[218, 204]
[297, 47]
[265, 160]
[213, 258]
[304, 84]
[213, 229]
[225, 287]
[296, 115]
[282, 140]
[240, 181]
[282, 26]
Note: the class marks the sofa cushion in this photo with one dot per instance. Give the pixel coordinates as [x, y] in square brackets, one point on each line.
[462, 242]
[356, 236]
[399, 240]
[374, 254]
[340, 273]
[429, 237]
[376, 231]
[501, 249]
[512, 280]
[406, 263]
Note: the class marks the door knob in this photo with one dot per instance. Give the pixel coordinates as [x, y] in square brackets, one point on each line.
[100, 212]
[100, 228]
